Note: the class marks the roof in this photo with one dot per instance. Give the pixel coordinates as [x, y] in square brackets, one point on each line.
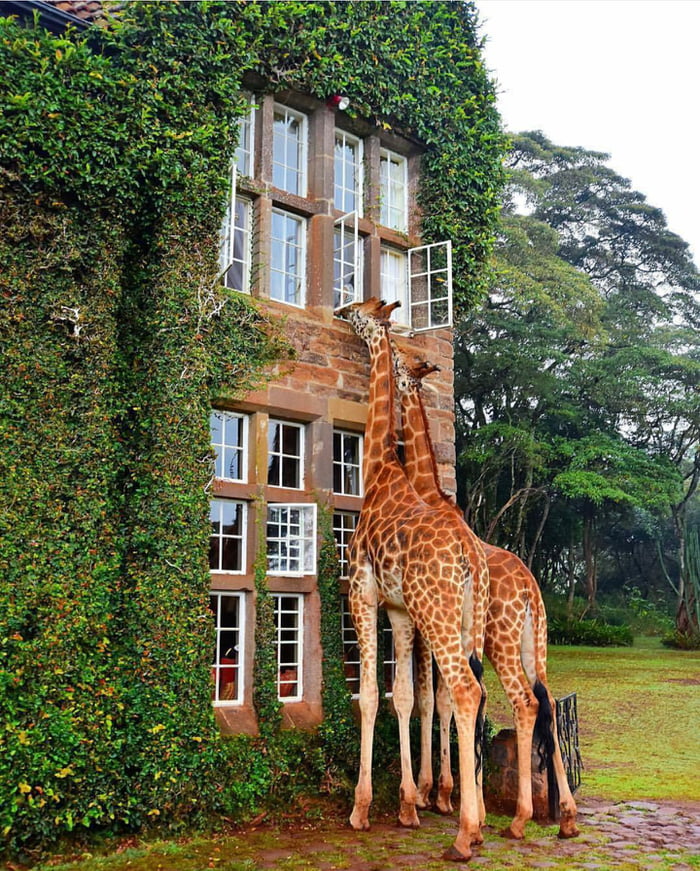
[56, 15]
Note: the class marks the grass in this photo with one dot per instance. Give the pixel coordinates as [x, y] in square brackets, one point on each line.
[638, 713]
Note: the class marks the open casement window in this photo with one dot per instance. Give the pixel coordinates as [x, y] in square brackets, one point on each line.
[227, 675]
[347, 261]
[244, 155]
[289, 623]
[234, 244]
[430, 286]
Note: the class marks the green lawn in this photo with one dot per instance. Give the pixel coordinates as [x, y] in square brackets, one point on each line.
[639, 717]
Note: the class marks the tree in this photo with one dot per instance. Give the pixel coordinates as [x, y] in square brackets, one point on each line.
[577, 378]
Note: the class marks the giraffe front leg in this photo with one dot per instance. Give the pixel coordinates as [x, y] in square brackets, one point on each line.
[363, 609]
[403, 632]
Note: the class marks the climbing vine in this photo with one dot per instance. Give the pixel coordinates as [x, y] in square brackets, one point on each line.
[114, 156]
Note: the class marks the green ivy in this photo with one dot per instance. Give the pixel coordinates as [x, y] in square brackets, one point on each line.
[114, 159]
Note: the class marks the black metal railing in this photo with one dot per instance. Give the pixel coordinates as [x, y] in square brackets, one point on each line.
[567, 729]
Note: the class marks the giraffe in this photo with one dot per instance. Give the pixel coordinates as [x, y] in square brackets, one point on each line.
[429, 576]
[515, 640]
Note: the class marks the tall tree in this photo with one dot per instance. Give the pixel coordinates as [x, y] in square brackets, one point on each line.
[577, 378]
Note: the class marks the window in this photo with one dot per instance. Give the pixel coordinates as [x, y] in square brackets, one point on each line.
[347, 463]
[347, 189]
[229, 438]
[291, 539]
[430, 286]
[394, 282]
[287, 258]
[234, 250]
[289, 622]
[227, 540]
[285, 459]
[347, 262]
[244, 151]
[351, 650]
[289, 151]
[393, 182]
[229, 619]
[344, 523]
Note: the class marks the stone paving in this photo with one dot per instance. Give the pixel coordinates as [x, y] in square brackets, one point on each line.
[621, 836]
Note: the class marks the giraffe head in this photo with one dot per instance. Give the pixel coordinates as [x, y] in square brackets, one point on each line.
[369, 317]
[408, 376]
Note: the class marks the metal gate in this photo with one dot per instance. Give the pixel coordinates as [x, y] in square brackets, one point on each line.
[567, 728]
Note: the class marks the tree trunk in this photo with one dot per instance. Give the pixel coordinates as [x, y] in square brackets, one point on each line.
[589, 556]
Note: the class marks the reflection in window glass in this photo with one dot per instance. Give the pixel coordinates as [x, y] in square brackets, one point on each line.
[226, 668]
[347, 188]
[228, 439]
[289, 151]
[289, 625]
[291, 539]
[347, 463]
[287, 254]
[227, 539]
[285, 467]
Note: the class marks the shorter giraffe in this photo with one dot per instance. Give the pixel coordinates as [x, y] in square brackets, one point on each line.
[428, 575]
[515, 641]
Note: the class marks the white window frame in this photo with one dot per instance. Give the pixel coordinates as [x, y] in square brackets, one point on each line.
[300, 548]
[236, 244]
[348, 197]
[342, 465]
[241, 451]
[342, 532]
[393, 282]
[279, 253]
[245, 150]
[345, 292]
[297, 170]
[218, 666]
[282, 456]
[393, 177]
[299, 661]
[435, 282]
[242, 538]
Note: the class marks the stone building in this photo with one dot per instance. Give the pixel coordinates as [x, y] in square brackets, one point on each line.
[323, 212]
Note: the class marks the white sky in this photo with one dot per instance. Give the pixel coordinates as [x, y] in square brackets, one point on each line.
[617, 76]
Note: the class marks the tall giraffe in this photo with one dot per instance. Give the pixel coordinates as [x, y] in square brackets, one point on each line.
[516, 633]
[429, 577]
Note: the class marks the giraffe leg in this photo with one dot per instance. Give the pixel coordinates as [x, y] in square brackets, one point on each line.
[443, 800]
[426, 709]
[567, 805]
[363, 608]
[403, 632]
[465, 693]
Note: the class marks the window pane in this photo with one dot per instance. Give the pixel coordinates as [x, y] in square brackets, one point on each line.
[227, 542]
[287, 258]
[289, 151]
[227, 609]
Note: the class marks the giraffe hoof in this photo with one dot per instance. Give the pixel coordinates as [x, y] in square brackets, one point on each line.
[452, 854]
[569, 832]
[444, 809]
[359, 824]
[512, 835]
[409, 821]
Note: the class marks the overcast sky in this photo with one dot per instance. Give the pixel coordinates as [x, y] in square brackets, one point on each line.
[617, 76]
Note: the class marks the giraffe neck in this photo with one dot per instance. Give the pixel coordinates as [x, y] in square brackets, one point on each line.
[380, 432]
[419, 461]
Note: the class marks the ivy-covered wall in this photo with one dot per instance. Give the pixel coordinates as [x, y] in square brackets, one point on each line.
[114, 158]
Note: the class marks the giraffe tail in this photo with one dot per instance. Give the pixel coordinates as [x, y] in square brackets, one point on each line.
[544, 724]
[479, 734]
